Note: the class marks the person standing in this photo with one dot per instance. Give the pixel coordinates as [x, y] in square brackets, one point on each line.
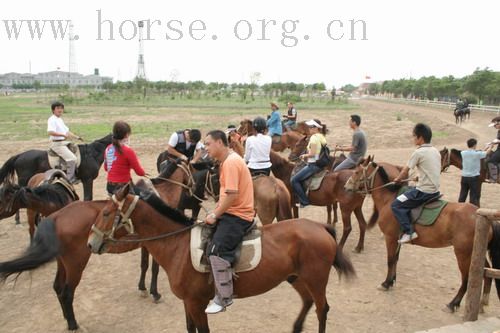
[493, 159]
[119, 159]
[233, 216]
[358, 147]
[60, 136]
[427, 160]
[274, 122]
[471, 168]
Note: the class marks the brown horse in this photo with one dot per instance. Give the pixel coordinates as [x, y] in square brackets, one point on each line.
[63, 236]
[271, 196]
[454, 226]
[331, 191]
[454, 157]
[286, 140]
[299, 251]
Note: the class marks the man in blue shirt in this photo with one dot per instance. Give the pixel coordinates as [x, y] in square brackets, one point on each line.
[274, 122]
[471, 168]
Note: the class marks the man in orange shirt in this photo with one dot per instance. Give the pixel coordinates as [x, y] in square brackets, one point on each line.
[233, 214]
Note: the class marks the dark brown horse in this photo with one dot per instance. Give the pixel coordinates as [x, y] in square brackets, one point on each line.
[287, 139]
[299, 251]
[63, 236]
[454, 227]
[330, 192]
[454, 157]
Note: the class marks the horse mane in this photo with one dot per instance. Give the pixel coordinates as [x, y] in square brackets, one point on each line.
[385, 179]
[96, 148]
[47, 193]
[456, 152]
[168, 169]
[161, 207]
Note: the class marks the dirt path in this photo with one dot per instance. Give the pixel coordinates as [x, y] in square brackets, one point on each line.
[107, 300]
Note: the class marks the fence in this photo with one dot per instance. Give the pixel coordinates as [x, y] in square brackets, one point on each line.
[441, 104]
[477, 271]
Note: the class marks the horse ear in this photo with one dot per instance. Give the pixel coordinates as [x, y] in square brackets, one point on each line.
[122, 193]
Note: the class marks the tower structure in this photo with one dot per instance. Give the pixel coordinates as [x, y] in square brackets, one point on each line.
[141, 71]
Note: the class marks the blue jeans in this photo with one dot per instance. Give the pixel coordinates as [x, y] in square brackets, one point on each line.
[289, 123]
[401, 208]
[299, 177]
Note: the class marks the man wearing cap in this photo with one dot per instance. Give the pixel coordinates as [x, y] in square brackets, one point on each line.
[494, 159]
[357, 149]
[274, 122]
[316, 141]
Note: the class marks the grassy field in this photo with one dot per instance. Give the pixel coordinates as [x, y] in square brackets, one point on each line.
[24, 116]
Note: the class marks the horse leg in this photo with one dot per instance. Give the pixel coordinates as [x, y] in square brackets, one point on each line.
[463, 259]
[195, 309]
[335, 216]
[87, 190]
[392, 260]
[485, 299]
[307, 303]
[144, 269]
[153, 290]
[58, 286]
[73, 276]
[362, 229]
[18, 218]
[32, 221]
[328, 214]
[191, 328]
[346, 220]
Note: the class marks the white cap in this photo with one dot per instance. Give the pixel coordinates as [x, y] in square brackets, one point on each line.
[492, 124]
[312, 122]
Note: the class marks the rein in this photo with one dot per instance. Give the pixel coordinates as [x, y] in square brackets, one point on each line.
[448, 161]
[124, 217]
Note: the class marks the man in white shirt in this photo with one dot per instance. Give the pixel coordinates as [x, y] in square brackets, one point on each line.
[185, 145]
[59, 134]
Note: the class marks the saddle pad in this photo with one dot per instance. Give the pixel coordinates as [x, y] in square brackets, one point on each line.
[249, 258]
[55, 160]
[316, 180]
[428, 214]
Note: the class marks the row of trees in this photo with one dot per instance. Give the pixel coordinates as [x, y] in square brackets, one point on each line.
[482, 86]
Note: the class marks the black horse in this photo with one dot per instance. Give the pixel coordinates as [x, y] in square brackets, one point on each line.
[26, 164]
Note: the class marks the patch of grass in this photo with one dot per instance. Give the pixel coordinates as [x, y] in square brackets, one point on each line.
[439, 134]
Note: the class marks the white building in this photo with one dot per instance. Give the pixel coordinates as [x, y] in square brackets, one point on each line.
[54, 78]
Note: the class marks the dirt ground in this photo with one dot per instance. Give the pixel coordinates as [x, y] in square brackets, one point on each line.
[107, 299]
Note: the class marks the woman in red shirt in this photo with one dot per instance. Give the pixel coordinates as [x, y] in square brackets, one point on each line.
[119, 158]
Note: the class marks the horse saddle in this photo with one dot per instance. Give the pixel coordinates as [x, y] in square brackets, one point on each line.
[56, 176]
[56, 162]
[312, 183]
[427, 213]
[248, 254]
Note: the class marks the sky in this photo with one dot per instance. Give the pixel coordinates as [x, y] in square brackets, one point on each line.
[228, 41]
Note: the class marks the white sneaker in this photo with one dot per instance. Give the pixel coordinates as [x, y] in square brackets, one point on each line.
[407, 238]
[214, 308]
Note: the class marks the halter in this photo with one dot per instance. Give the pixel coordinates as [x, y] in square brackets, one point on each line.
[448, 161]
[124, 218]
[366, 181]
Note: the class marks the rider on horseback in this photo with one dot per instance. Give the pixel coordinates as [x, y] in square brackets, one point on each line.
[358, 146]
[233, 215]
[290, 116]
[185, 145]
[258, 149]
[59, 134]
[427, 160]
[494, 159]
[274, 122]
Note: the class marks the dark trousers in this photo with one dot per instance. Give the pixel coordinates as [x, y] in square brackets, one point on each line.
[470, 185]
[299, 177]
[228, 235]
[257, 172]
[404, 203]
[112, 188]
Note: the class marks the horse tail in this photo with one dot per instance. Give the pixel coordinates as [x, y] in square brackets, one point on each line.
[494, 249]
[8, 169]
[373, 218]
[284, 208]
[342, 263]
[43, 249]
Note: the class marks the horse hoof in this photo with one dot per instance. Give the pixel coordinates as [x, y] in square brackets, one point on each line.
[448, 309]
[358, 250]
[143, 293]
[383, 288]
[156, 298]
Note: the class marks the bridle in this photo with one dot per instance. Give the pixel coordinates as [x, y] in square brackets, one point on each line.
[123, 221]
[366, 181]
[447, 156]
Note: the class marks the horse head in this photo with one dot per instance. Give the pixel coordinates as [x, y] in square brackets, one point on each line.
[114, 216]
[299, 148]
[246, 128]
[8, 197]
[363, 176]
